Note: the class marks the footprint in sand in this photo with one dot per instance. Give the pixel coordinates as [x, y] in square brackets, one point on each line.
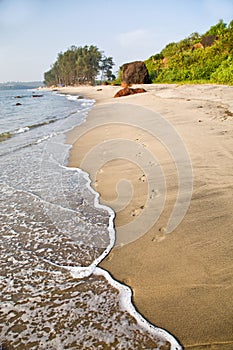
[154, 193]
[160, 235]
[153, 163]
[126, 281]
[143, 144]
[142, 178]
[137, 211]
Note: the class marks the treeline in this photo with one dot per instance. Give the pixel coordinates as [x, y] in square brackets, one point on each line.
[79, 65]
[198, 58]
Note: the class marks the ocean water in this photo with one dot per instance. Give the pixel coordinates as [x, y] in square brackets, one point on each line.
[54, 233]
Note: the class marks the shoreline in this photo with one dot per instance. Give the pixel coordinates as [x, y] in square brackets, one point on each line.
[165, 292]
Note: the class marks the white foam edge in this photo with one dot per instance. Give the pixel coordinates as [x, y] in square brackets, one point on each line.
[126, 303]
[125, 291]
[77, 98]
[21, 130]
[80, 99]
[80, 272]
[53, 134]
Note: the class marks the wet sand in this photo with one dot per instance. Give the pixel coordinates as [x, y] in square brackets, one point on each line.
[182, 281]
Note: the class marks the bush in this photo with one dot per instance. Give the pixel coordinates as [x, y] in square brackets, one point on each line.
[224, 73]
[183, 61]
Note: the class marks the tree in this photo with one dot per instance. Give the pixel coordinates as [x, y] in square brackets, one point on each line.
[217, 29]
[184, 62]
[106, 68]
[79, 65]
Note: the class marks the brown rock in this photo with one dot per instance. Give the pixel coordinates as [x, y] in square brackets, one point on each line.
[139, 90]
[165, 62]
[197, 46]
[208, 40]
[129, 91]
[135, 73]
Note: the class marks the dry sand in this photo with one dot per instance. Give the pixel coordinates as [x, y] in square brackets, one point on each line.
[181, 281]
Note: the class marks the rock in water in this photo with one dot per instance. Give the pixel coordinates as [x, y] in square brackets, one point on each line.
[135, 73]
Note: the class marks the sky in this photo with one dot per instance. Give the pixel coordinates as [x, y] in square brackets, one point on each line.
[33, 32]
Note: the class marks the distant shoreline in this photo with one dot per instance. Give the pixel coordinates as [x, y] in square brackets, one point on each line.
[20, 85]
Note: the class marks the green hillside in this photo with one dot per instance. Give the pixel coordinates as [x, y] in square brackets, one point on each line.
[198, 58]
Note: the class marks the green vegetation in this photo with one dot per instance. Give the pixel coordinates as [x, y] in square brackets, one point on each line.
[118, 81]
[198, 58]
[5, 136]
[79, 65]
[206, 58]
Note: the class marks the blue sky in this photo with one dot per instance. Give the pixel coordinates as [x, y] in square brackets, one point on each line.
[32, 32]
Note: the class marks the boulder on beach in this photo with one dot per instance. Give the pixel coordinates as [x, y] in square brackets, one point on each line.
[135, 73]
[129, 91]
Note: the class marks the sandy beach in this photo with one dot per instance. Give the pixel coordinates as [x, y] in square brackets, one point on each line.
[182, 278]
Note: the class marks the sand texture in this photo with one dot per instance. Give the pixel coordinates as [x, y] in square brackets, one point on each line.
[181, 280]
